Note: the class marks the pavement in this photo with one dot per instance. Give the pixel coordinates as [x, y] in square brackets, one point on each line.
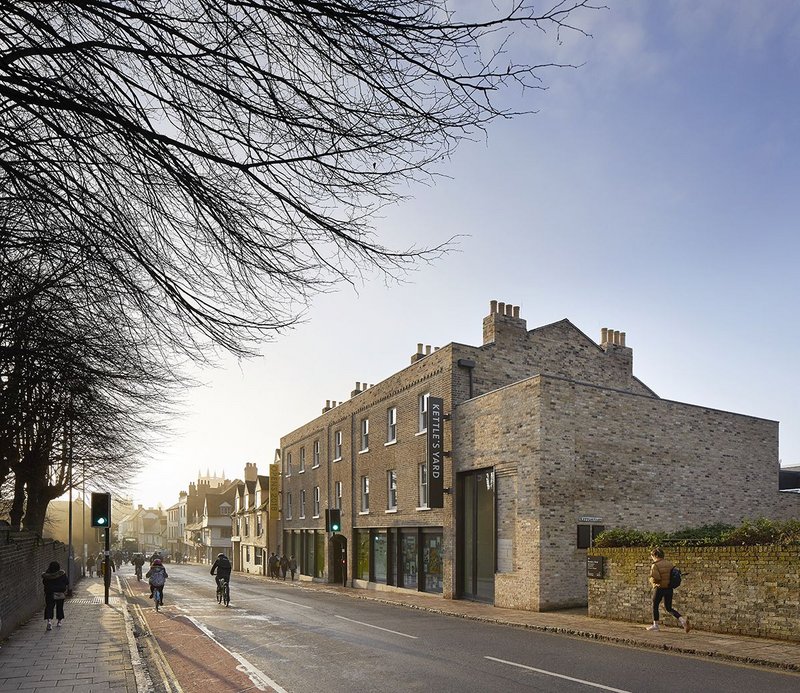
[99, 646]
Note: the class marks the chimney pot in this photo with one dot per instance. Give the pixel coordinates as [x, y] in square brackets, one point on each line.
[516, 311]
[622, 339]
[427, 350]
[492, 307]
[616, 337]
[509, 310]
[501, 308]
[604, 335]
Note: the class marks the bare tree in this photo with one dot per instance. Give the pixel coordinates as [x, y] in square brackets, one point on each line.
[224, 159]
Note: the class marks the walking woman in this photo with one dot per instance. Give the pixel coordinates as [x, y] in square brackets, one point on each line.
[56, 585]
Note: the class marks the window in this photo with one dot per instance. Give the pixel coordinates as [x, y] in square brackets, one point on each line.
[259, 525]
[302, 504]
[288, 464]
[587, 534]
[247, 526]
[391, 425]
[315, 454]
[316, 502]
[259, 555]
[391, 489]
[364, 435]
[289, 505]
[302, 460]
[364, 494]
[423, 485]
[423, 413]
[337, 446]
[337, 495]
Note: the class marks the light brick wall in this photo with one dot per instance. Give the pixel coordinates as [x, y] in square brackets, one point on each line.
[24, 556]
[746, 590]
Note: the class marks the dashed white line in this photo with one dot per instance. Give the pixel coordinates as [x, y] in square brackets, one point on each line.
[558, 676]
[369, 625]
[286, 601]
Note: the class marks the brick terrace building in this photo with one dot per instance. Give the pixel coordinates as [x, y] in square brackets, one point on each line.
[550, 438]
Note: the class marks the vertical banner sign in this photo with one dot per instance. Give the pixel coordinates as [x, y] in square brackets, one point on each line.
[435, 453]
[274, 490]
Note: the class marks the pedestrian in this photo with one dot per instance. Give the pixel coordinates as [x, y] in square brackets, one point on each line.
[272, 564]
[292, 565]
[56, 584]
[90, 564]
[660, 570]
[284, 564]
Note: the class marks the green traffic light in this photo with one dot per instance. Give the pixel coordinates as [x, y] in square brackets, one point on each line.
[101, 520]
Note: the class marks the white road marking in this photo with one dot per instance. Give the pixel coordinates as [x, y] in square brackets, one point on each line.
[258, 677]
[286, 601]
[369, 625]
[558, 676]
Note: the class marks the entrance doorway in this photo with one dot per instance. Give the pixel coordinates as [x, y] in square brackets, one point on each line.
[476, 540]
[337, 559]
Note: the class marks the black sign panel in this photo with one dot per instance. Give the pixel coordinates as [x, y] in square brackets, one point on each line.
[594, 566]
[435, 452]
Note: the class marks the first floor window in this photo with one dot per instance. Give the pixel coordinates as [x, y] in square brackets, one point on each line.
[302, 459]
[302, 503]
[315, 454]
[423, 486]
[338, 495]
[364, 494]
[289, 505]
[316, 501]
[391, 489]
[288, 464]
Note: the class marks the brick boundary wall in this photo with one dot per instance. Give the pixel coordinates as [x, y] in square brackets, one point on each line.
[24, 556]
[745, 590]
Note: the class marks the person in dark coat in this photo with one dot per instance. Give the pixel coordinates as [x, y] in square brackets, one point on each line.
[56, 584]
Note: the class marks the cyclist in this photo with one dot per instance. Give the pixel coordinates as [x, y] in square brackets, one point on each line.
[138, 562]
[222, 567]
[157, 576]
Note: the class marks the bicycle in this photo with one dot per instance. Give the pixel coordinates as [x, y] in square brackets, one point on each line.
[157, 597]
[223, 592]
[138, 573]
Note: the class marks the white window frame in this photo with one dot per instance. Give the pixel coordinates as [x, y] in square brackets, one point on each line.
[422, 412]
[315, 501]
[337, 495]
[391, 490]
[302, 460]
[364, 495]
[391, 425]
[288, 464]
[288, 505]
[424, 487]
[302, 504]
[364, 435]
[337, 445]
[315, 455]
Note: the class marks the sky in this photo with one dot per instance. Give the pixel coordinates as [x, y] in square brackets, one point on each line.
[656, 191]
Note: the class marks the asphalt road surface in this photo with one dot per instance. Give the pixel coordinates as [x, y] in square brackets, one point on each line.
[284, 637]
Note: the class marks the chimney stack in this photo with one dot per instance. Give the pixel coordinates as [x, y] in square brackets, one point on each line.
[503, 323]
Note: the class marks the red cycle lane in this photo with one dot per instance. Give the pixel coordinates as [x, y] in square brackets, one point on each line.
[198, 662]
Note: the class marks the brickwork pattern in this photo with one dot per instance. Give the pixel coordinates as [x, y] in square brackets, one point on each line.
[745, 590]
[24, 556]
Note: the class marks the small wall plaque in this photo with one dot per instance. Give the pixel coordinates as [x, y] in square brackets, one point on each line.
[594, 566]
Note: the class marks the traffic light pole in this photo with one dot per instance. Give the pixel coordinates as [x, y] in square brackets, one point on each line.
[107, 563]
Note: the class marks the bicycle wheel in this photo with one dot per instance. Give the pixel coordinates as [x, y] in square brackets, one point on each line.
[219, 593]
[226, 594]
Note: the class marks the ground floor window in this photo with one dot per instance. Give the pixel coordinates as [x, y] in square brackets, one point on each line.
[409, 557]
[587, 534]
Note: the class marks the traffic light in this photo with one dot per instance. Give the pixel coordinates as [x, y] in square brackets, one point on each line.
[101, 509]
[333, 520]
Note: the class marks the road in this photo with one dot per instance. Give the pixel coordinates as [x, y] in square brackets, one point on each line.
[286, 637]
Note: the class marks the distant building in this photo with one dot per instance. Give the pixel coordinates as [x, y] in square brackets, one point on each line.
[146, 529]
[545, 438]
[192, 505]
[250, 543]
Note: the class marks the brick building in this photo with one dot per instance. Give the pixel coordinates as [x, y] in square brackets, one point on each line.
[250, 543]
[548, 439]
